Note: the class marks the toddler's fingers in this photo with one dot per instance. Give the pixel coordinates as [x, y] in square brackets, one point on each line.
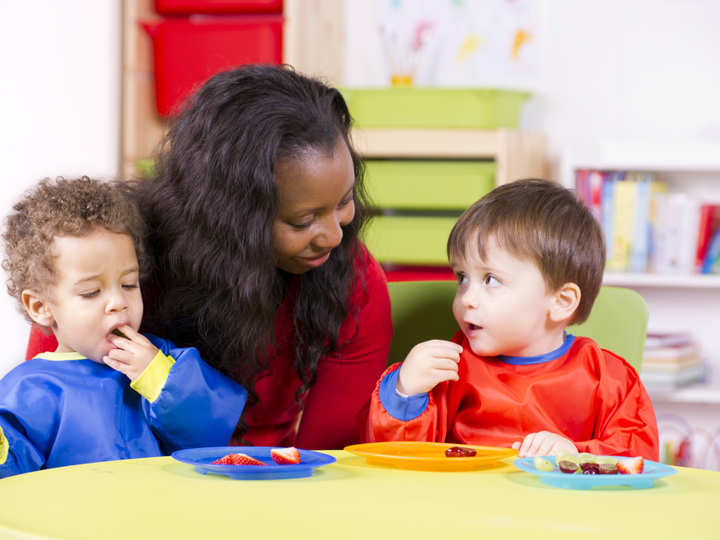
[527, 445]
[545, 448]
[445, 344]
[116, 364]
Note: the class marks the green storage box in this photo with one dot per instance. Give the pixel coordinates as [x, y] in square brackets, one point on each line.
[428, 185]
[411, 240]
[435, 107]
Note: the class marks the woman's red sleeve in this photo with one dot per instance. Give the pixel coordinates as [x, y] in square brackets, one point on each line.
[346, 379]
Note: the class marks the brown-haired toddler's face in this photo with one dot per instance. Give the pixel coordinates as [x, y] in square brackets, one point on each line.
[502, 304]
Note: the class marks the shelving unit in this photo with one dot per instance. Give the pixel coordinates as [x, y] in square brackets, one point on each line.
[312, 43]
[516, 153]
[419, 207]
[676, 301]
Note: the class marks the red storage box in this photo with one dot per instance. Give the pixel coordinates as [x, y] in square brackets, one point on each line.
[186, 7]
[188, 50]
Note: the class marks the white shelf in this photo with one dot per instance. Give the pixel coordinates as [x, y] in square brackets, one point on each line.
[697, 393]
[650, 156]
[694, 281]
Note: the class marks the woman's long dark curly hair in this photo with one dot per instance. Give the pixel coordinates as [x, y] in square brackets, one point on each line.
[210, 202]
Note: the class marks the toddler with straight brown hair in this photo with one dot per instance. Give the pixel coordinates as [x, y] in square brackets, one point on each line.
[529, 259]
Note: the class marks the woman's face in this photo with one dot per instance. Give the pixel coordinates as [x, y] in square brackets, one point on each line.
[315, 199]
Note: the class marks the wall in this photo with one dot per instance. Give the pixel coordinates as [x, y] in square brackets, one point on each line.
[608, 69]
[59, 108]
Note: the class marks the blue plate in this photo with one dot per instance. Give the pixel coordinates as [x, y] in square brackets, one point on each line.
[651, 472]
[201, 459]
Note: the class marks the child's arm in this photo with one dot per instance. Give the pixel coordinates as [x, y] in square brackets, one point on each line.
[17, 454]
[28, 421]
[626, 425]
[419, 417]
[188, 403]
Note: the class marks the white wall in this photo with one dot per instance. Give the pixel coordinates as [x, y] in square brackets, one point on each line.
[59, 108]
[609, 69]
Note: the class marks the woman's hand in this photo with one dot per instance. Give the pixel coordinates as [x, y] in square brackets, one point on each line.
[544, 443]
[133, 354]
[428, 364]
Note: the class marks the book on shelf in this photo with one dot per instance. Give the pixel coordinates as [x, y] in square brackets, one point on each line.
[626, 193]
[673, 353]
[671, 360]
[711, 262]
[666, 379]
[675, 366]
[647, 228]
[655, 340]
[607, 212]
[675, 234]
[709, 225]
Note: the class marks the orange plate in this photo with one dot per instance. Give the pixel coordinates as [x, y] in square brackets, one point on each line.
[428, 456]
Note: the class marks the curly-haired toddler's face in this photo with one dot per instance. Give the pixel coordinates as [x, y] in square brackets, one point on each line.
[97, 291]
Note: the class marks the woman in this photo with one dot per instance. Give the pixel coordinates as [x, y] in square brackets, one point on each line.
[254, 207]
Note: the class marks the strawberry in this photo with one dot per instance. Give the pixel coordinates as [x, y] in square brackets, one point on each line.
[285, 456]
[237, 459]
[630, 466]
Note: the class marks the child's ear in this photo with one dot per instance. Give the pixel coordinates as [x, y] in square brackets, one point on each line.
[38, 308]
[566, 302]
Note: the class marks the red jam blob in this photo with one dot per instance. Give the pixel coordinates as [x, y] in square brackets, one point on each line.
[460, 451]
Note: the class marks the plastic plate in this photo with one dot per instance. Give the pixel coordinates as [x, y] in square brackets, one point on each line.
[428, 456]
[201, 459]
[651, 472]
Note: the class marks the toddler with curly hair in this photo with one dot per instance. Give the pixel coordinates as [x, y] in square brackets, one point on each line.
[75, 259]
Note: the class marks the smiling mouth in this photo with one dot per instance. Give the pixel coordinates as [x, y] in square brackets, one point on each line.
[317, 258]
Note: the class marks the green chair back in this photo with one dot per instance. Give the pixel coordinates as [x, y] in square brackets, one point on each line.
[618, 322]
[422, 310]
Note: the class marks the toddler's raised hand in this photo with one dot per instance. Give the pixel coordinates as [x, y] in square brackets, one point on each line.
[428, 364]
[544, 443]
[133, 354]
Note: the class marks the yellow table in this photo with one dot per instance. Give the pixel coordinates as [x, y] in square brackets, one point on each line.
[160, 498]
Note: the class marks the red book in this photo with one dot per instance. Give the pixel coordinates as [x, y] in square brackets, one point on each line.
[709, 223]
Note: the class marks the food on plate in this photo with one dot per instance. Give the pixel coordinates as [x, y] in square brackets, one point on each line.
[585, 463]
[590, 468]
[542, 464]
[119, 333]
[569, 467]
[285, 456]
[237, 459]
[630, 466]
[460, 451]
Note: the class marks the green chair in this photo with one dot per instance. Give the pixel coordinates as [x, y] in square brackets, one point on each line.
[422, 310]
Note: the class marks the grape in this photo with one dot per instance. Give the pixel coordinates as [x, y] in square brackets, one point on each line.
[608, 468]
[565, 456]
[460, 451]
[590, 468]
[543, 464]
[568, 467]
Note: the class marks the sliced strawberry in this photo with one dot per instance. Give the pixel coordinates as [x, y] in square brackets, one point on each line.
[237, 459]
[285, 456]
[630, 466]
